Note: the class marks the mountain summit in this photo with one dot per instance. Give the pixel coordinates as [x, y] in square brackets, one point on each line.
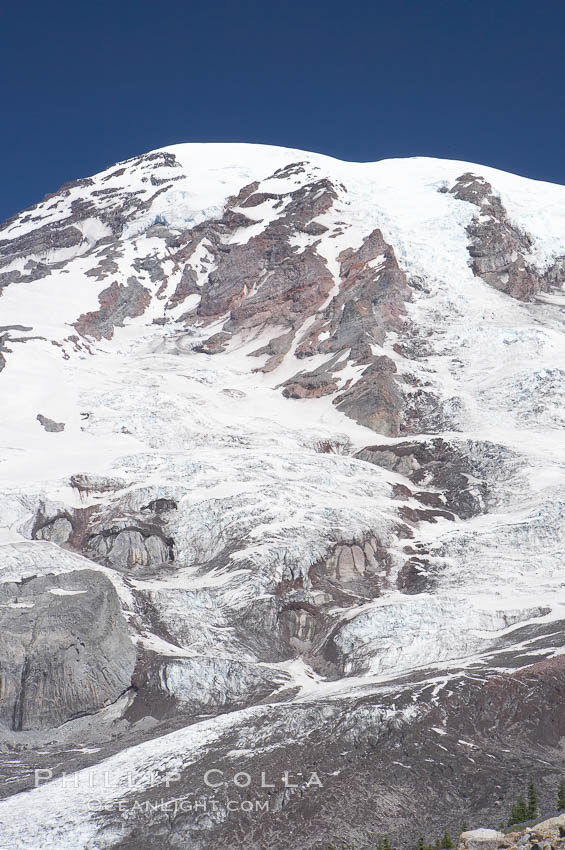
[282, 498]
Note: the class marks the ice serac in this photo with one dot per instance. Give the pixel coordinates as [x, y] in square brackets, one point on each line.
[282, 493]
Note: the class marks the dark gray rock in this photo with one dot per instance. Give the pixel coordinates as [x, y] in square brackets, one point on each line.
[554, 275]
[6, 337]
[437, 464]
[64, 649]
[50, 424]
[88, 482]
[39, 241]
[107, 266]
[130, 546]
[375, 400]
[185, 287]
[497, 248]
[151, 265]
[57, 530]
[113, 206]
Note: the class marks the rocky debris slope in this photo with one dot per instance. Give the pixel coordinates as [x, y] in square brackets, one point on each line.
[282, 493]
[546, 835]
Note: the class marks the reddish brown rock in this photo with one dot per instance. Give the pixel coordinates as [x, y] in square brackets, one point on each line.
[117, 302]
[497, 248]
[375, 400]
[266, 280]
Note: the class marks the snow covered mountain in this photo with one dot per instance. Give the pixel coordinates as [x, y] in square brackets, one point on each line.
[281, 497]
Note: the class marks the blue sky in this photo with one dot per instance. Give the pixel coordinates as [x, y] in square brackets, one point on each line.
[88, 84]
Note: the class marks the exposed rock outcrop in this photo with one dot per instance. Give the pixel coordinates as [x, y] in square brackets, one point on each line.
[117, 303]
[375, 400]
[266, 280]
[7, 338]
[130, 547]
[111, 206]
[370, 302]
[39, 241]
[499, 250]
[57, 529]
[64, 649]
[50, 424]
[446, 467]
[88, 482]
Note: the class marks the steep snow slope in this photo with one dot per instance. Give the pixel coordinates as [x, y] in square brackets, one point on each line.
[306, 417]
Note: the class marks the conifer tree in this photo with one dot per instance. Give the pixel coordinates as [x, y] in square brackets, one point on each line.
[519, 812]
[561, 796]
[532, 807]
[421, 844]
[464, 827]
[386, 843]
[512, 816]
[521, 809]
[446, 842]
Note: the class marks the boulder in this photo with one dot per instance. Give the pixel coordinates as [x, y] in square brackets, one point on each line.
[549, 829]
[50, 424]
[480, 839]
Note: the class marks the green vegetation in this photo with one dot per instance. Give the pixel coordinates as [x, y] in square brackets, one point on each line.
[518, 812]
[532, 799]
[561, 796]
[524, 810]
[525, 807]
[446, 842]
